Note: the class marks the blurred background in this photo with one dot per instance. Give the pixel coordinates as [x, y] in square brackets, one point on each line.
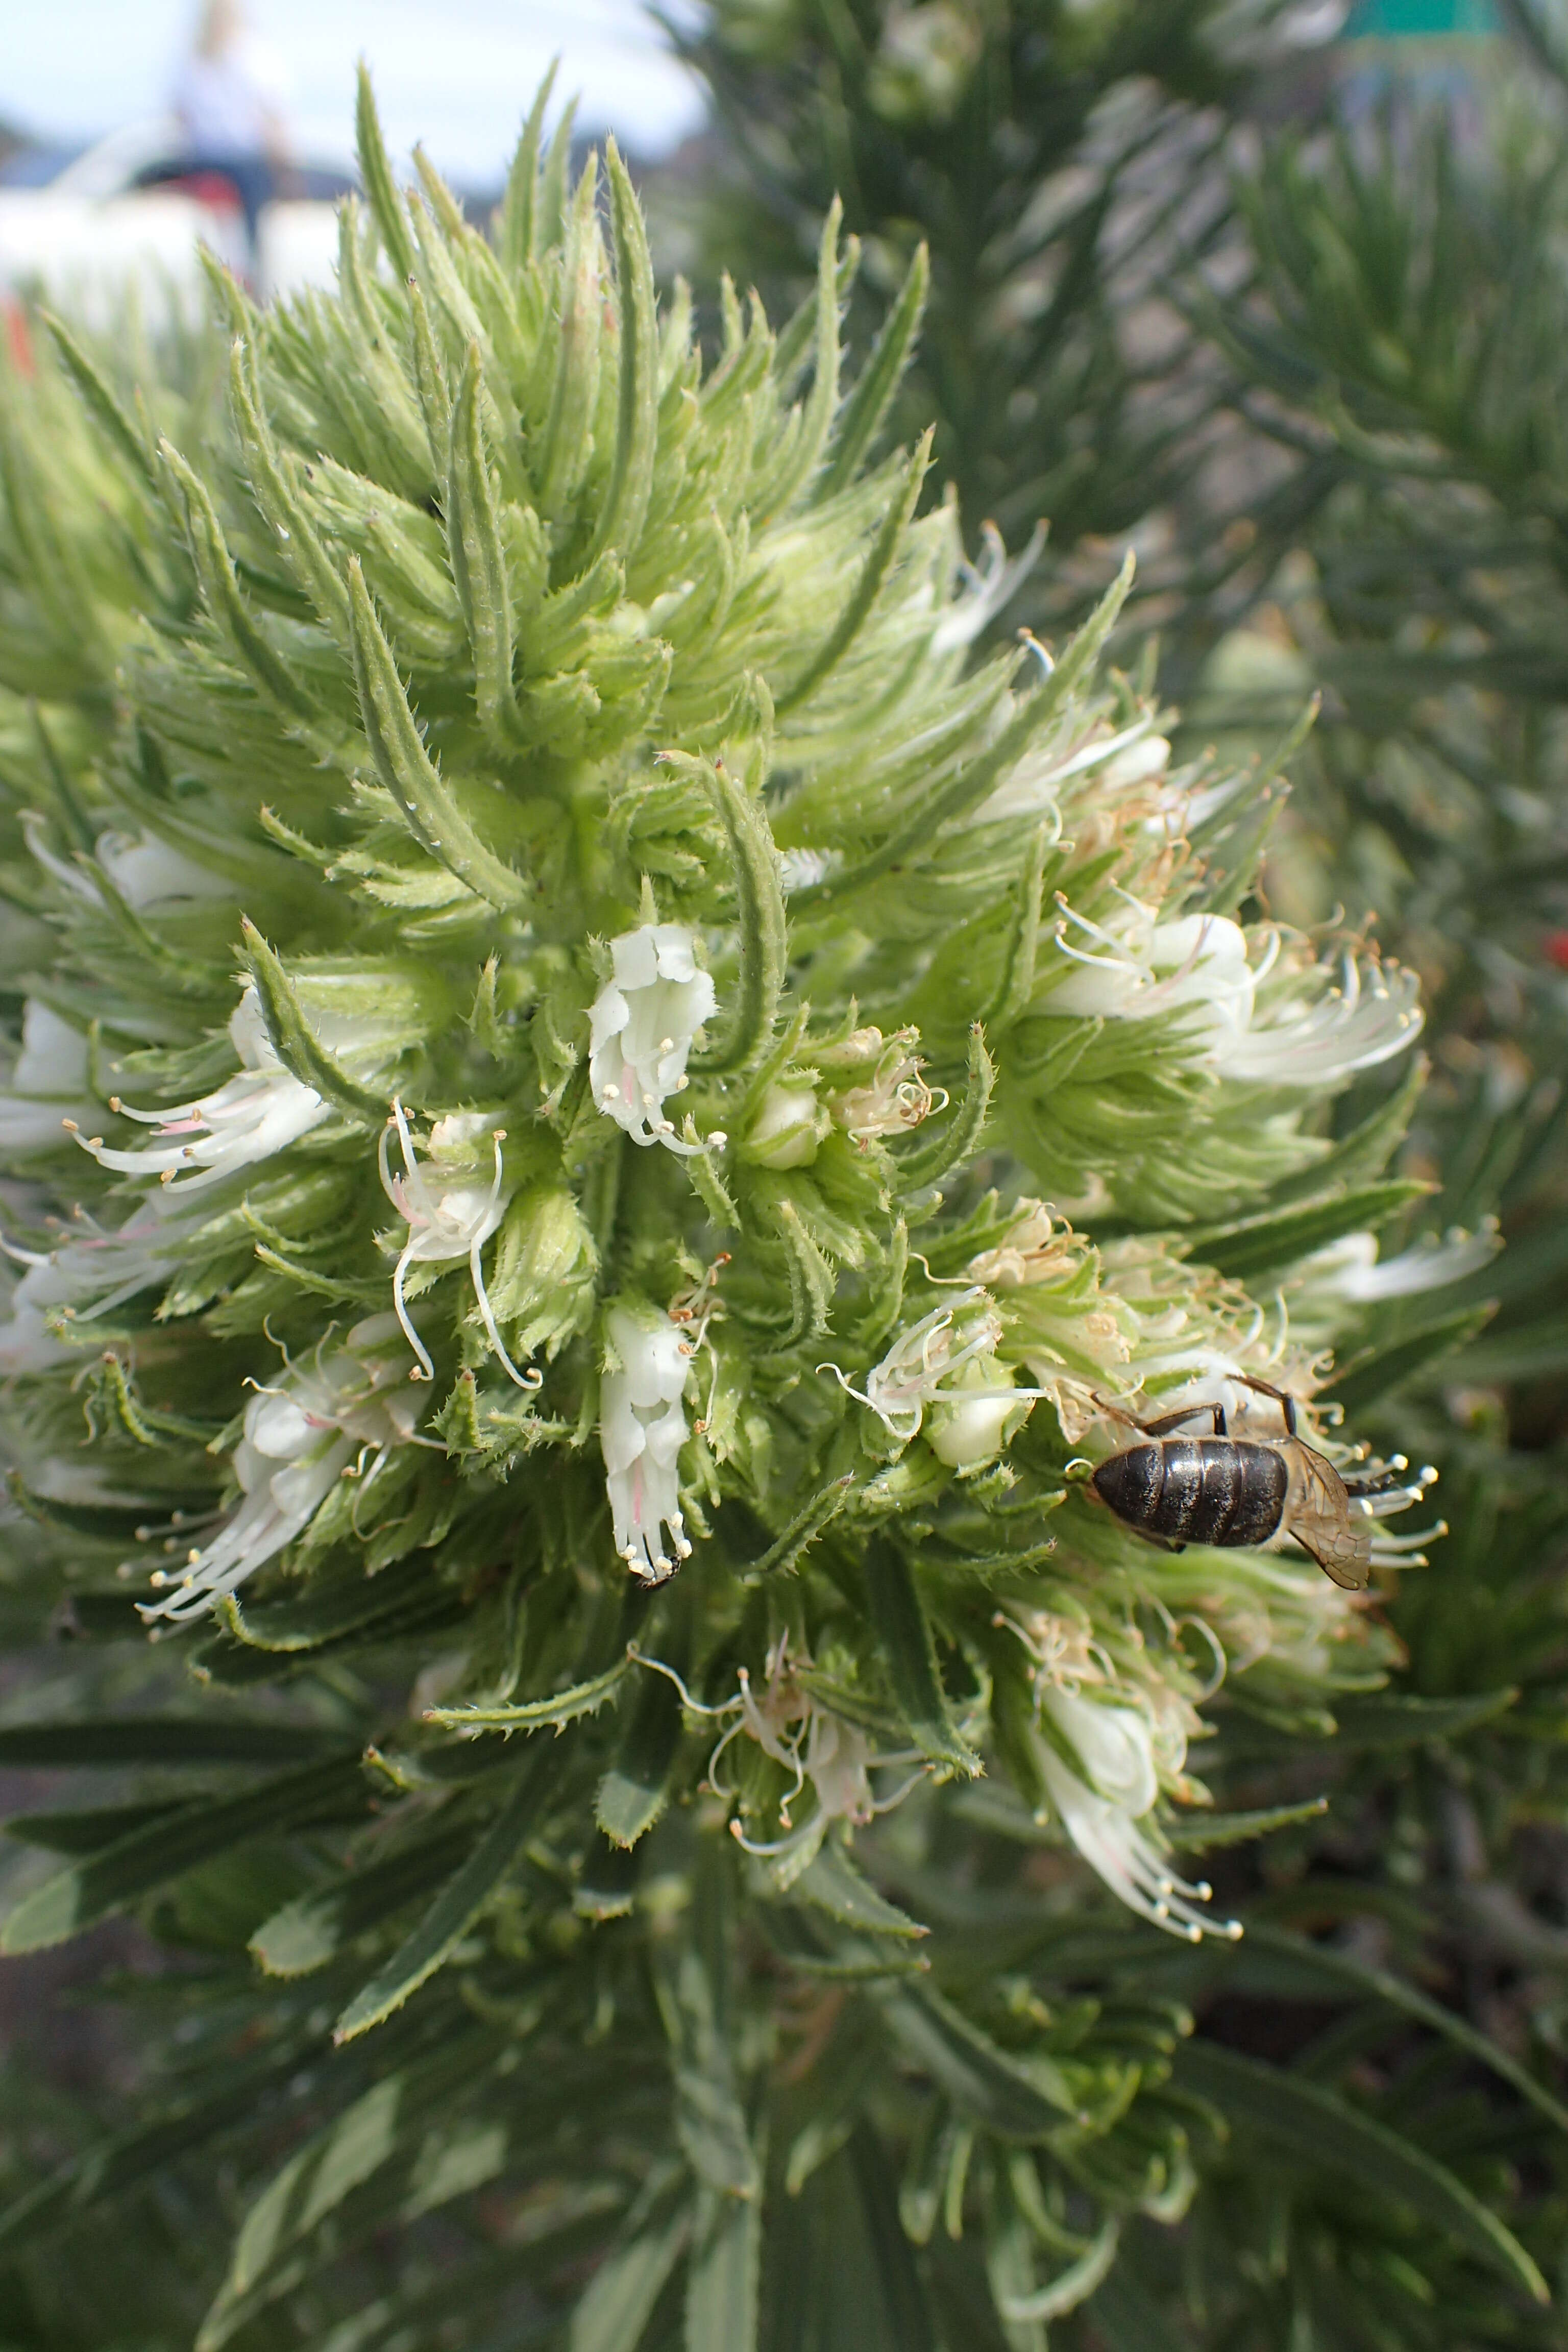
[210, 115]
[457, 77]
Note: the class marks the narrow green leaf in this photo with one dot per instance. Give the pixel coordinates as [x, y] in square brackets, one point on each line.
[874, 571]
[179, 1739]
[280, 504]
[904, 1638]
[450, 1916]
[406, 770]
[1018, 2100]
[805, 1527]
[861, 417]
[295, 1042]
[1400, 1719]
[102, 402]
[1377, 1372]
[1232, 860]
[438, 196]
[123, 2162]
[1366, 1152]
[166, 1848]
[958, 1139]
[1340, 1967]
[1201, 1832]
[1015, 985]
[632, 1792]
[534, 1714]
[832, 1882]
[328, 1608]
[1254, 1246]
[550, 214]
[562, 447]
[722, 2276]
[848, 2075]
[810, 1945]
[815, 420]
[220, 588]
[613, 2313]
[430, 383]
[478, 560]
[515, 221]
[759, 915]
[637, 418]
[840, 2276]
[693, 1963]
[314, 1928]
[1307, 2124]
[410, 2142]
[1069, 2287]
[380, 190]
[88, 1832]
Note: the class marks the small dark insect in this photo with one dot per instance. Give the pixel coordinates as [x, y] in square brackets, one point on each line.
[1232, 1491]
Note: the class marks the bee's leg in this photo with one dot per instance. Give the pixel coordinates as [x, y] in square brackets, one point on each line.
[1170, 1421]
[1286, 1403]
[1166, 1421]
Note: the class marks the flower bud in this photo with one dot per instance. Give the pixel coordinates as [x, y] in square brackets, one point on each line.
[786, 1130]
[973, 1424]
[543, 1290]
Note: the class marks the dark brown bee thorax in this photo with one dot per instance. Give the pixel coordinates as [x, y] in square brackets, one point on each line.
[1207, 1490]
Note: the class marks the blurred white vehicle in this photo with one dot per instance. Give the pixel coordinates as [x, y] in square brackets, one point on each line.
[129, 217]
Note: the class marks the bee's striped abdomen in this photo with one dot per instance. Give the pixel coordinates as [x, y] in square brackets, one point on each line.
[1208, 1490]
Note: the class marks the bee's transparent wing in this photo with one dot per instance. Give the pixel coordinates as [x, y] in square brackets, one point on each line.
[1319, 1514]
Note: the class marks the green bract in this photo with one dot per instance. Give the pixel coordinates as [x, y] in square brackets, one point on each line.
[587, 1022]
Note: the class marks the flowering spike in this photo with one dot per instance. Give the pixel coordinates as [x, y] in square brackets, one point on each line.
[635, 647]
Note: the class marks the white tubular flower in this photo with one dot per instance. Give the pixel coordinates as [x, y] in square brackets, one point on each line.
[891, 1096]
[141, 869]
[1349, 1269]
[986, 588]
[449, 1216]
[252, 1116]
[923, 1365]
[1125, 1857]
[833, 1758]
[148, 873]
[1114, 1745]
[1195, 964]
[1119, 1753]
[300, 1438]
[1133, 756]
[641, 1432]
[946, 1365]
[640, 1031]
[1370, 1015]
[48, 1081]
[88, 1273]
[1308, 1030]
[1101, 1804]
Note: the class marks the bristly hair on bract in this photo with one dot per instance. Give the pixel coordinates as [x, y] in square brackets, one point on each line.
[606, 1119]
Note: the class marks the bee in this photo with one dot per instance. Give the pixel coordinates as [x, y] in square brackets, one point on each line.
[1235, 1491]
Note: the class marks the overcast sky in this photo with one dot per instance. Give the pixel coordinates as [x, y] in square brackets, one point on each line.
[457, 74]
